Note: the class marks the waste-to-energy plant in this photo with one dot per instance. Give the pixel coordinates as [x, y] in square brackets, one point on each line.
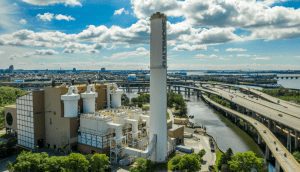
[90, 118]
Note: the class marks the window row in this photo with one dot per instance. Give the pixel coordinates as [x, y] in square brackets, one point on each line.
[26, 144]
[24, 108]
[22, 129]
[24, 113]
[25, 138]
[25, 118]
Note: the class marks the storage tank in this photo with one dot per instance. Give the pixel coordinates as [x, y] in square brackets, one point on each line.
[116, 96]
[89, 99]
[71, 102]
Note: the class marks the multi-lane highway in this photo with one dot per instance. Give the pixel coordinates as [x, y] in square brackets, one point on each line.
[285, 159]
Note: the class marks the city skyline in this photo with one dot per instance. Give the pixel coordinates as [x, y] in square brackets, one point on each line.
[91, 34]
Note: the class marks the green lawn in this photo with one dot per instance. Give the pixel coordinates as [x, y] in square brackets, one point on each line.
[284, 94]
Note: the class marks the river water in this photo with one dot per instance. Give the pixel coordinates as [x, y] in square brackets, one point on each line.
[226, 134]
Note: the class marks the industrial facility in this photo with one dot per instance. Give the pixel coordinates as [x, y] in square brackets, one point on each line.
[90, 118]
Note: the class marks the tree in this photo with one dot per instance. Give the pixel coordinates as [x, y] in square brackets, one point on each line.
[297, 156]
[56, 163]
[99, 162]
[187, 162]
[125, 100]
[201, 153]
[77, 162]
[225, 158]
[141, 165]
[28, 161]
[244, 162]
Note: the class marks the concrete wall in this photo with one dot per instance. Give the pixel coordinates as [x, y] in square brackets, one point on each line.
[38, 115]
[57, 128]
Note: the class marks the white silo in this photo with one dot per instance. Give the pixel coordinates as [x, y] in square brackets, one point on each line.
[158, 86]
[116, 98]
[89, 99]
[71, 102]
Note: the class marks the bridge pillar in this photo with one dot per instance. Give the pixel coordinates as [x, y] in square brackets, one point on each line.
[289, 141]
[139, 89]
[277, 166]
[267, 153]
[198, 94]
[296, 140]
[169, 88]
[178, 89]
[258, 139]
[269, 124]
[189, 92]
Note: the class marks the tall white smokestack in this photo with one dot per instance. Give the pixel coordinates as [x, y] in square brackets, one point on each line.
[158, 86]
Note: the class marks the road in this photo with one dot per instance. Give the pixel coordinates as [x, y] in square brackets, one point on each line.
[281, 154]
[262, 107]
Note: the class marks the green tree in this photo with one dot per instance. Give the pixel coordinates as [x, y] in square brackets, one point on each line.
[125, 100]
[141, 165]
[201, 153]
[99, 162]
[187, 162]
[56, 163]
[245, 161]
[297, 156]
[28, 161]
[225, 158]
[77, 162]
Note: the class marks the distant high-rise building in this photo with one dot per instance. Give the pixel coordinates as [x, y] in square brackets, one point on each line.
[103, 69]
[74, 69]
[11, 68]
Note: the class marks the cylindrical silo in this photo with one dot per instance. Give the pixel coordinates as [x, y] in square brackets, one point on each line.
[89, 99]
[116, 96]
[71, 102]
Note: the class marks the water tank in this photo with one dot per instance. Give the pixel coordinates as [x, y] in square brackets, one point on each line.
[71, 102]
[116, 98]
[131, 77]
[89, 99]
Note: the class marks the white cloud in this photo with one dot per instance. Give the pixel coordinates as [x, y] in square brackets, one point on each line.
[64, 17]
[243, 55]
[236, 50]
[8, 13]
[50, 16]
[52, 2]
[121, 11]
[23, 21]
[138, 52]
[45, 16]
[188, 47]
[261, 58]
[40, 52]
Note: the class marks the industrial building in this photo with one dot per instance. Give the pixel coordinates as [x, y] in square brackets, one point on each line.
[90, 118]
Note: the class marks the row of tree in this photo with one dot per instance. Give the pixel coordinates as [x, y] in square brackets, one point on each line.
[284, 93]
[76, 162]
[174, 100]
[240, 162]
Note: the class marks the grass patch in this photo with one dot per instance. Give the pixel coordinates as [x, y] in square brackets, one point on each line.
[284, 94]
[218, 157]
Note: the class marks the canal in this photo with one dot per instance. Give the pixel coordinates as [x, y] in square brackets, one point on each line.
[226, 134]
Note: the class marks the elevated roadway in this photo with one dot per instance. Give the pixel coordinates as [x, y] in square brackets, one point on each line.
[283, 157]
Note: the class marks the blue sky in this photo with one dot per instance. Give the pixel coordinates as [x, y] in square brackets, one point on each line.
[90, 34]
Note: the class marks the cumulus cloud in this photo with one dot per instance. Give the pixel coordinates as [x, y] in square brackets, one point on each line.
[47, 17]
[121, 11]
[52, 2]
[236, 50]
[40, 52]
[23, 21]
[188, 47]
[138, 52]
